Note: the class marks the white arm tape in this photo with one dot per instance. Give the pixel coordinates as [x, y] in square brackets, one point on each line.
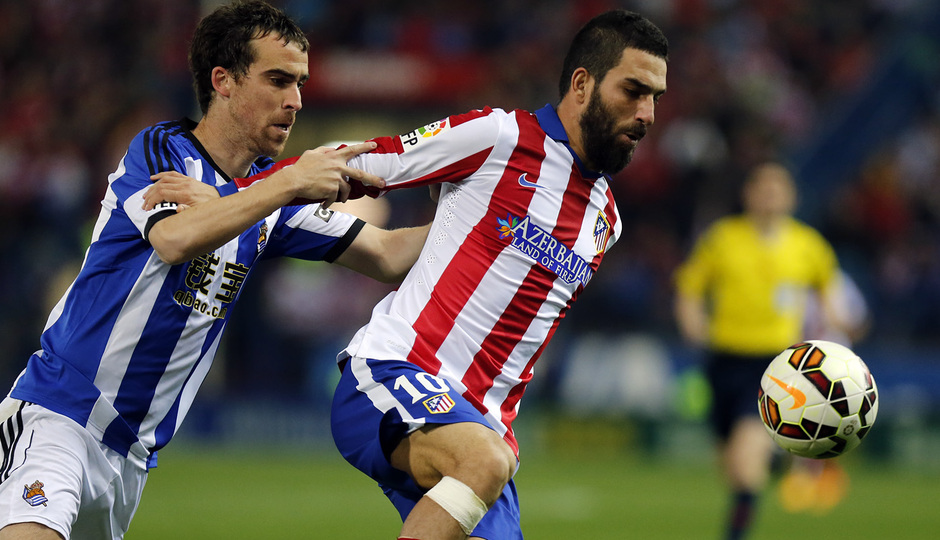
[459, 501]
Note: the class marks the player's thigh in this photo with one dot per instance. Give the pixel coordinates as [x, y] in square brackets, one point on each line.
[67, 480]
[378, 403]
[465, 450]
[42, 477]
[28, 531]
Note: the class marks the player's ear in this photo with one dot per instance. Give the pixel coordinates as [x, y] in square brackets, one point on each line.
[581, 83]
[222, 81]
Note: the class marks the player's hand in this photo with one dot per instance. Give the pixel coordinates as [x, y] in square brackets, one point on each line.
[172, 186]
[323, 174]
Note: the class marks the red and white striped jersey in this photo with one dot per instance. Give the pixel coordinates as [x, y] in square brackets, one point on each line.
[520, 229]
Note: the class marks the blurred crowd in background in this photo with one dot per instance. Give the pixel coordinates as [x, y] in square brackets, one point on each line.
[846, 92]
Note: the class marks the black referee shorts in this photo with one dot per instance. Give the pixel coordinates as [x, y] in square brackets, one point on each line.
[735, 381]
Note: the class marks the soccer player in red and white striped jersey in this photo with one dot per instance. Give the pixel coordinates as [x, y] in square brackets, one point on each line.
[431, 385]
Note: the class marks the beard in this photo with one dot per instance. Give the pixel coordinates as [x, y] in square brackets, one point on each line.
[602, 145]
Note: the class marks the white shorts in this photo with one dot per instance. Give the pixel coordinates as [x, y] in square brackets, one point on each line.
[55, 473]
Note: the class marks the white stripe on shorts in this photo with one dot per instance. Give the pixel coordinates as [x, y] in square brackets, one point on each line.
[381, 398]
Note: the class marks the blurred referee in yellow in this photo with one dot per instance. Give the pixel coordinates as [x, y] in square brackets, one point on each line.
[741, 296]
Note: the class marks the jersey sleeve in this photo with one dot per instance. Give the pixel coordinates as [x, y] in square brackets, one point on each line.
[312, 232]
[149, 153]
[448, 150]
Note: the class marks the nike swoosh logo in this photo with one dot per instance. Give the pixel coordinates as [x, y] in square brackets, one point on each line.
[525, 183]
[799, 398]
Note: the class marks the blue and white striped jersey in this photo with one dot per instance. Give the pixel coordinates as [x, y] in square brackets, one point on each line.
[128, 345]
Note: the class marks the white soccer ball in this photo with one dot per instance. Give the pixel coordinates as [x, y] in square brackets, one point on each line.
[818, 399]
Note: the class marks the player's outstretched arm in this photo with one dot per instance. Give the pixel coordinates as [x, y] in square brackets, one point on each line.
[319, 174]
[385, 255]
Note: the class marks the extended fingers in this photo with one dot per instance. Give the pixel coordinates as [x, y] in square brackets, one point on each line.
[368, 179]
[353, 150]
[153, 196]
[157, 194]
[167, 175]
[174, 186]
[346, 152]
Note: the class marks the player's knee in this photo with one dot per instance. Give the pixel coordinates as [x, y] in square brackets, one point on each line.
[489, 468]
[473, 454]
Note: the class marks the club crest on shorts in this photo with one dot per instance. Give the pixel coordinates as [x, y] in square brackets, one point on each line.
[34, 495]
[438, 404]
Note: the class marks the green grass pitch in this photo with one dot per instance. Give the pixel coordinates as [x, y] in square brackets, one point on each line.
[215, 493]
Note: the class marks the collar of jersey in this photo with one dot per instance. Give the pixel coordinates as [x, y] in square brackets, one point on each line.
[549, 121]
[261, 164]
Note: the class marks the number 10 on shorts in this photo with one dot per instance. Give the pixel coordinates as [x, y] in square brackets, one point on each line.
[438, 402]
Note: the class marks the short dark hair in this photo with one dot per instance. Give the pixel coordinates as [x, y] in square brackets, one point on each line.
[223, 38]
[600, 43]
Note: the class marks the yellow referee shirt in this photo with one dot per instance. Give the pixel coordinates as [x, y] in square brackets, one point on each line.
[756, 288]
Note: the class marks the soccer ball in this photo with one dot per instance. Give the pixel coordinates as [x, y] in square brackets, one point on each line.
[817, 399]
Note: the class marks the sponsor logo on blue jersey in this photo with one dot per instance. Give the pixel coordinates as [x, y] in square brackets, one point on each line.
[543, 248]
[200, 274]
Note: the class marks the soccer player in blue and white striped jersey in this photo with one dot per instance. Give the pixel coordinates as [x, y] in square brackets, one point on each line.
[128, 345]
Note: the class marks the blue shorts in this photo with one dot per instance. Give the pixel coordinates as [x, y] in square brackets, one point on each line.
[377, 403]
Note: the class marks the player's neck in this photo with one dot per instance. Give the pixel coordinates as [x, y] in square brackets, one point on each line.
[227, 154]
[570, 116]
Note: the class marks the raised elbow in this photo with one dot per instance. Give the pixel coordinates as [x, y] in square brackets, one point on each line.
[171, 249]
[170, 256]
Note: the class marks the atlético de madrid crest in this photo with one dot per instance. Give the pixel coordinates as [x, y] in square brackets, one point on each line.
[438, 404]
[601, 232]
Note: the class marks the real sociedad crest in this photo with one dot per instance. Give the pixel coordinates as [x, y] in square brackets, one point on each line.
[34, 495]
[262, 236]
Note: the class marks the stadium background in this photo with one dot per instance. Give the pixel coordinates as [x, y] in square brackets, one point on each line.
[847, 91]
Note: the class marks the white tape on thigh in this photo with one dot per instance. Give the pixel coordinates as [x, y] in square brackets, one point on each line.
[459, 501]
